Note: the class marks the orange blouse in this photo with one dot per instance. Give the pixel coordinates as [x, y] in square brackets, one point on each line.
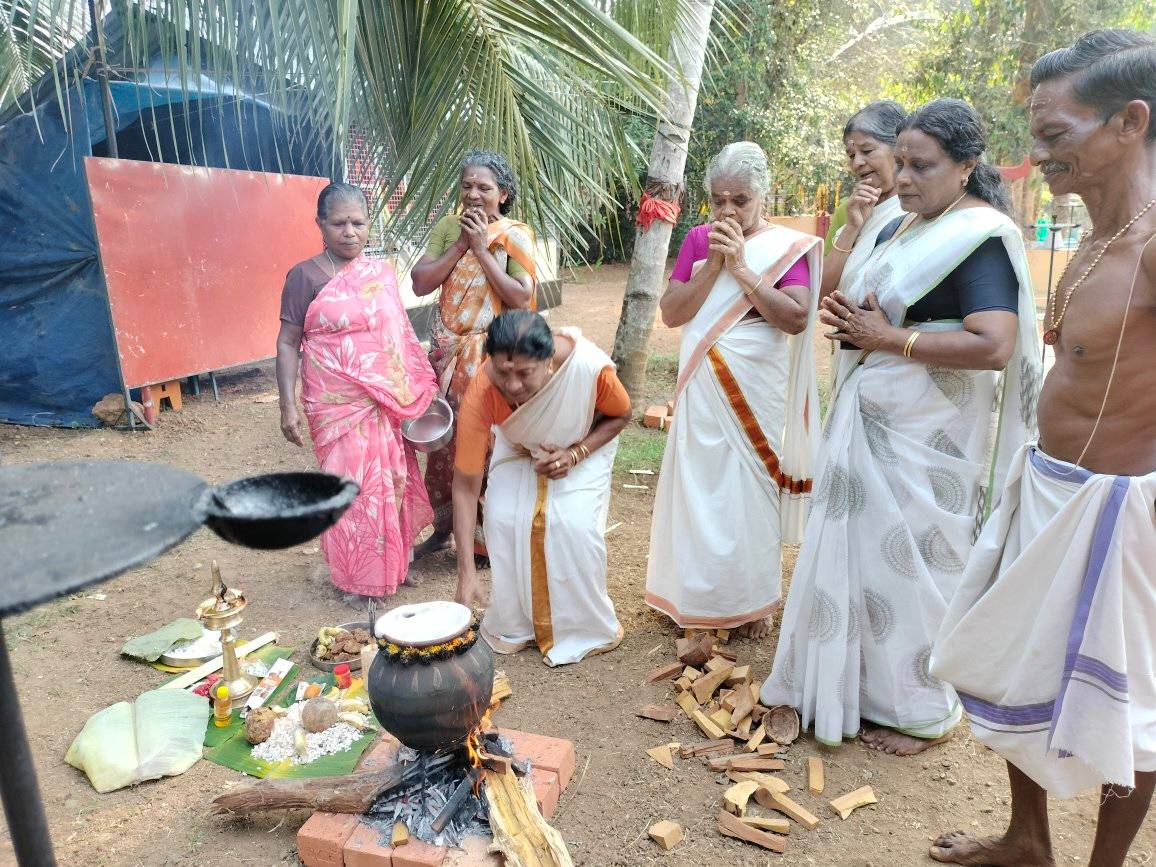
[483, 407]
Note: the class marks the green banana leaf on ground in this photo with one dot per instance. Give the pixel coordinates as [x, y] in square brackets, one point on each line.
[227, 745]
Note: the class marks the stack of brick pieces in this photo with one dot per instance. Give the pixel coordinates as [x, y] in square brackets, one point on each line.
[659, 416]
[338, 840]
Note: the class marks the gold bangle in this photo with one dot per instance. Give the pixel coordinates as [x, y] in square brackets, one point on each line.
[574, 457]
[756, 287]
[835, 246]
[910, 344]
[584, 450]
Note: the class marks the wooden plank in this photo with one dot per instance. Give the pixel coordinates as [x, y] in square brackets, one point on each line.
[765, 781]
[772, 824]
[845, 805]
[733, 826]
[760, 734]
[736, 797]
[665, 672]
[782, 804]
[705, 724]
[815, 775]
[685, 700]
[771, 749]
[745, 702]
[666, 834]
[721, 718]
[691, 673]
[662, 755]
[659, 713]
[741, 674]
[705, 747]
[520, 832]
[757, 763]
[716, 662]
[696, 650]
[704, 687]
[399, 836]
[743, 728]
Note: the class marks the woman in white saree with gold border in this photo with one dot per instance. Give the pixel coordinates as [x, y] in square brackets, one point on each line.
[736, 471]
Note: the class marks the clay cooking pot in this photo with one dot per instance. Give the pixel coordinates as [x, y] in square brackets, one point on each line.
[431, 681]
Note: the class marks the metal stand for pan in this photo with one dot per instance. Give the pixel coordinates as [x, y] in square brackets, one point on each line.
[65, 526]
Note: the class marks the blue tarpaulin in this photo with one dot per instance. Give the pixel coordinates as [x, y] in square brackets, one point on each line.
[58, 356]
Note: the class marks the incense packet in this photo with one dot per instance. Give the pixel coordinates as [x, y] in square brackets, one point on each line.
[279, 670]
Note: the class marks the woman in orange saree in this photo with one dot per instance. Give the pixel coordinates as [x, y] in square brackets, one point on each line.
[483, 262]
[364, 372]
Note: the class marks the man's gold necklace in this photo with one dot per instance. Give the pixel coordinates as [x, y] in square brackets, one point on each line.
[1052, 333]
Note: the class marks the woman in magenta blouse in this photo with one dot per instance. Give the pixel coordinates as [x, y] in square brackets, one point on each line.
[737, 465]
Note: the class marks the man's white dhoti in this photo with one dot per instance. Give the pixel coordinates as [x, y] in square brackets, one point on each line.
[736, 470]
[545, 536]
[1051, 638]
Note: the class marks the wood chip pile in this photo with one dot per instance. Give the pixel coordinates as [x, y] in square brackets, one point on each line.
[745, 740]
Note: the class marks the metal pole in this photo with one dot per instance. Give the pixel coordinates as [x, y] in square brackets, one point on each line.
[102, 77]
[22, 808]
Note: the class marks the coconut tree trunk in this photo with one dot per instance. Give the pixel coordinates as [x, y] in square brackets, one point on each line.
[664, 180]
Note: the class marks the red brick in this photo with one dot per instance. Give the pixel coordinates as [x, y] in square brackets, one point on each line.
[475, 852]
[365, 848]
[415, 853]
[546, 790]
[321, 839]
[381, 753]
[550, 754]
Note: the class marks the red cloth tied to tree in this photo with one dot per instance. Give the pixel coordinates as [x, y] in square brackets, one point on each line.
[651, 209]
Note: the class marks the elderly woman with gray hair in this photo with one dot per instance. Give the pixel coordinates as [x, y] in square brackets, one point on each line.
[737, 466]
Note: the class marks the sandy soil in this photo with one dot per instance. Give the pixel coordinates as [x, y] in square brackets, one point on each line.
[67, 665]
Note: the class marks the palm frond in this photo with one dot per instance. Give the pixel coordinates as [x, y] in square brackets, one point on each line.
[543, 82]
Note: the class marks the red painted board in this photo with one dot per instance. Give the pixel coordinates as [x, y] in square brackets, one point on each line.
[194, 260]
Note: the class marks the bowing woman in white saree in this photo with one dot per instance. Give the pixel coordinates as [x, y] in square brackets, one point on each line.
[556, 408]
[736, 471]
[929, 409]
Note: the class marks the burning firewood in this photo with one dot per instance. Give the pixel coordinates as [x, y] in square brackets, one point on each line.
[520, 832]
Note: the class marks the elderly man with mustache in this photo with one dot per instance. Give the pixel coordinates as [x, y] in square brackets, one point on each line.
[1051, 639]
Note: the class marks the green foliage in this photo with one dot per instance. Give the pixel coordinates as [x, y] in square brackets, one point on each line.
[545, 83]
[983, 52]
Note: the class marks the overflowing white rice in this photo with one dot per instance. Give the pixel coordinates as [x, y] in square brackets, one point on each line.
[280, 746]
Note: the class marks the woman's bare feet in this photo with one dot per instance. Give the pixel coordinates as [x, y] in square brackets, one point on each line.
[411, 580]
[960, 848]
[439, 541]
[760, 628]
[896, 743]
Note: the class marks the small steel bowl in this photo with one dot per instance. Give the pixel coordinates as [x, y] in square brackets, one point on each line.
[431, 430]
[278, 510]
[355, 663]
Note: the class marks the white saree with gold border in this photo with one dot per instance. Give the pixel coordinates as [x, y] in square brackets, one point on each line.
[545, 536]
[909, 451]
[736, 471]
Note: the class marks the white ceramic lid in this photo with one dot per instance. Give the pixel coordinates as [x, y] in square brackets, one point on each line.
[423, 623]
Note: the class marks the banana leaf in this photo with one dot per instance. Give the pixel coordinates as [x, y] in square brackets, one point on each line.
[232, 750]
[157, 735]
[149, 648]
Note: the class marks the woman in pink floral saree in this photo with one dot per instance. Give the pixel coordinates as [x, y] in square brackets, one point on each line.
[363, 373]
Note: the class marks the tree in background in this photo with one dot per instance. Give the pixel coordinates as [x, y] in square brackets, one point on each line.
[662, 193]
[545, 83]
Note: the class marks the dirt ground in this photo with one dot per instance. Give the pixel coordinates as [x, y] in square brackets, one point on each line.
[67, 665]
